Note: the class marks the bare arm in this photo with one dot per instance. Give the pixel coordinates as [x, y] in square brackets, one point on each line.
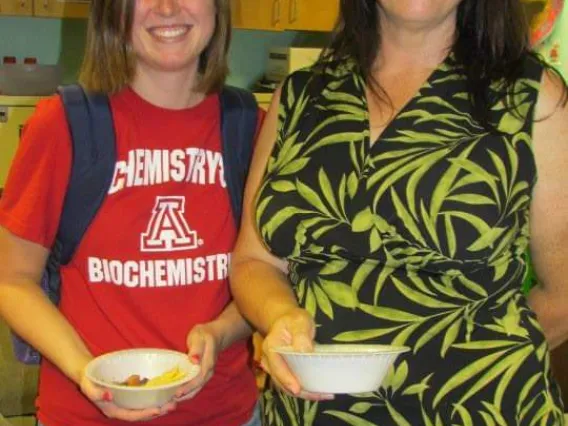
[230, 327]
[549, 214]
[30, 313]
[258, 279]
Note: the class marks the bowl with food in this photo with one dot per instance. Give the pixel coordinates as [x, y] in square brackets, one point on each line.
[341, 368]
[142, 378]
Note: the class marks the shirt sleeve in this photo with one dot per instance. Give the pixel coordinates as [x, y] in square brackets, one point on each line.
[32, 199]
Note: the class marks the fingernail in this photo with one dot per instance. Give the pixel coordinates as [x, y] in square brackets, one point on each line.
[107, 396]
[195, 358]
[292, 390]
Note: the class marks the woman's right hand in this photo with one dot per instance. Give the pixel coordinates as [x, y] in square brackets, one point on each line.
[295, 328]
[102, 398]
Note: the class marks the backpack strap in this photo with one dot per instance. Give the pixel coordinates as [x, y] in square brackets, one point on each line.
[239, 114]
[94, 156]
[93, 161]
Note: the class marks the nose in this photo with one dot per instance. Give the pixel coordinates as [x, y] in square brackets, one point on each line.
[167, 7]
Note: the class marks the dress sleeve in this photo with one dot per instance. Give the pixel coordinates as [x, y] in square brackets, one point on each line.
[294, 99]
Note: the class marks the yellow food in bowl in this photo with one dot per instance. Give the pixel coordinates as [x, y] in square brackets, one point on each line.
[169, 376]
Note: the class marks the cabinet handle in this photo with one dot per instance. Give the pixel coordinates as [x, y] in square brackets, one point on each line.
[45, 4]
[3, 114]
[293, 11]
[275, 12]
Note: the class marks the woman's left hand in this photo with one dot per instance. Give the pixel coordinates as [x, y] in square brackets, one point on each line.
[204, 345]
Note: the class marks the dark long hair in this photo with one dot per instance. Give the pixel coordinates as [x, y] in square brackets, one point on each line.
[491, 44]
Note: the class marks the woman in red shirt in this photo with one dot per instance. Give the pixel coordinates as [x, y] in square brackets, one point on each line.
[152, 269]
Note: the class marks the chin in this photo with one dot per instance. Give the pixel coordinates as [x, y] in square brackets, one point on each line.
[175, 65]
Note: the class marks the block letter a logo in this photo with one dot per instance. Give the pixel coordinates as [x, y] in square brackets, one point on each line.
[168, 230]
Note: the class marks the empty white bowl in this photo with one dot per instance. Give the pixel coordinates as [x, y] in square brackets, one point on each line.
[343, 368]
[110, 369]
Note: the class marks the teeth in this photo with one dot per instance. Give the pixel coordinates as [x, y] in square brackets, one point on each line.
[169, 32]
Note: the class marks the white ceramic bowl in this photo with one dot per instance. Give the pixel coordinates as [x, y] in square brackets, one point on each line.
[342, 368]
[115, 367]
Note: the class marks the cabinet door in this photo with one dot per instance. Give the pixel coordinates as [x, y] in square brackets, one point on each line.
[311, 15]
[62, 8]
[12, 119]
[16, 7]
[257, 14]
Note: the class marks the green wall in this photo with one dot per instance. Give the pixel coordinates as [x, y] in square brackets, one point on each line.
[61, 41]
[30, 37]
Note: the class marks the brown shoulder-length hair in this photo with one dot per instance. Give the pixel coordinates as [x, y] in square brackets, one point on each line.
[491, 44]
[108, 64]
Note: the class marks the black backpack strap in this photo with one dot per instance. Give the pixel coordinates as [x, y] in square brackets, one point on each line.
[93, 161]
[94, 156]
[92, 167]
[239, 114]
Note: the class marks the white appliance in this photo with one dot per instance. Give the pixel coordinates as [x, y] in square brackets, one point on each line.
[285, 60]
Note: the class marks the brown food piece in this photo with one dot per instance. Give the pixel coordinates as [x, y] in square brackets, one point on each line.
[134, 380]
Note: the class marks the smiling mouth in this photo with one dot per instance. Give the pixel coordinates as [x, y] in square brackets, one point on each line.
[169, 33]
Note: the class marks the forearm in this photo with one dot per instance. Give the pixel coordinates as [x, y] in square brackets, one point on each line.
[230, 326]
[552, 313]
[262, 293]
[30, 314]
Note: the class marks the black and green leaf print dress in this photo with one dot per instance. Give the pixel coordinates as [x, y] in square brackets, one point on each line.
[415, 240]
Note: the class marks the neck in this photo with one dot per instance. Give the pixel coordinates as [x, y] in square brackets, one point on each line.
[410, 46]
[171, 89]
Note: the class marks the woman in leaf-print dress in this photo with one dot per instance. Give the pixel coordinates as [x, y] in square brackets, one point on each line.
[391, 199]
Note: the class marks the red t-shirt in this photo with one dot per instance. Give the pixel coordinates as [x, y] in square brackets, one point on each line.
[154, 261]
